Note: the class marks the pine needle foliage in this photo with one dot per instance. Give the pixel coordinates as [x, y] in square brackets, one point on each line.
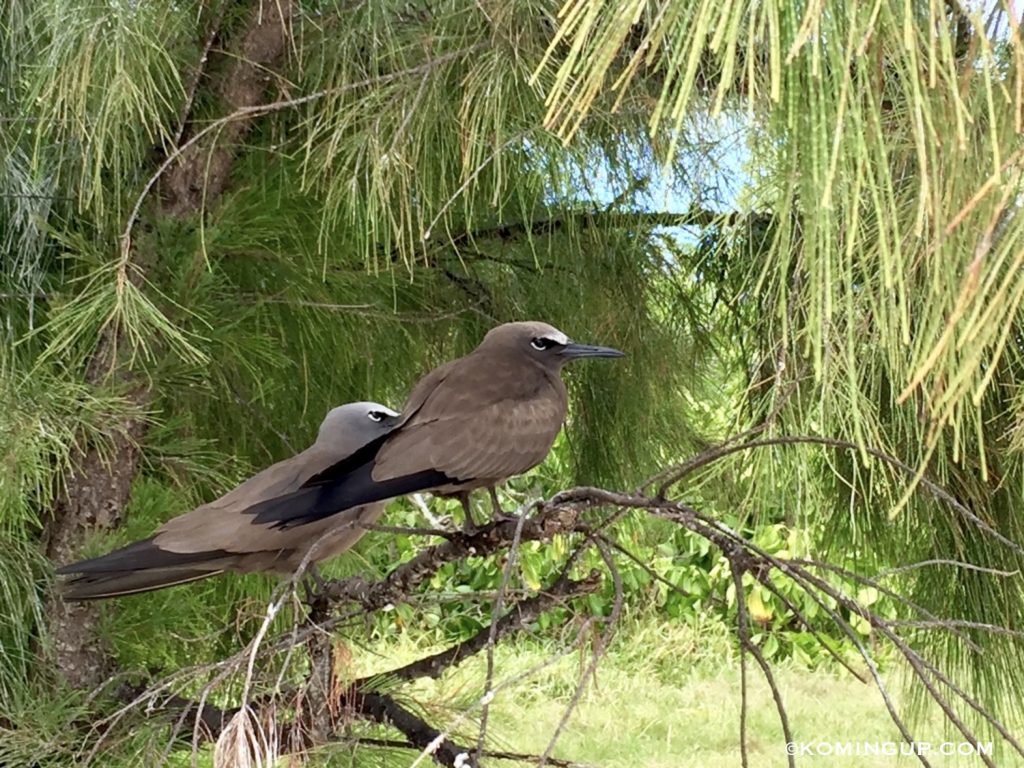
[889, 155]
[887, 148]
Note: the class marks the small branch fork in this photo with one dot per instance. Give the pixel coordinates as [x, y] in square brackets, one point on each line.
[363, 697]
[572, 512]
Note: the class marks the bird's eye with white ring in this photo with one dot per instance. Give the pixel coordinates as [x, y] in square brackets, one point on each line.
[541, 343]
[377, 416]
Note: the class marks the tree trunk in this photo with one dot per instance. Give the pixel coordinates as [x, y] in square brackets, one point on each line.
[96, 490]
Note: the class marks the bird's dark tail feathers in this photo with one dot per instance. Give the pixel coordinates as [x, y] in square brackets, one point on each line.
[138, 567]
[95, 586]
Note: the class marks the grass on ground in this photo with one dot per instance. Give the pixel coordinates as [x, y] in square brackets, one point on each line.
[668, 696]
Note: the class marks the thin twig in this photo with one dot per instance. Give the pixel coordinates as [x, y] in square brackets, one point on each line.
[890, 593]
[801, 576]
[743, 629]
[521, 757]
[780, 707]
[797, 573]
[950, 624]
[197, 73]
[973, 704]
[670, 478]
[600, 646]
[469, 180]
[799, 616]
[485, 540]
[922, 674]
[954, 563]
[492, 635]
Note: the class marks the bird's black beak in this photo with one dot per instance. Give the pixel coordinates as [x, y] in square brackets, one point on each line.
[573, 351]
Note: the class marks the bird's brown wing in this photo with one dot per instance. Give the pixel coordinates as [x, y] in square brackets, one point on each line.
[424, 389]
[496, 442]
[223, 525]
[487, 421]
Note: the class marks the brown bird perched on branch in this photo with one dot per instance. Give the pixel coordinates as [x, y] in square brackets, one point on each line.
[468, 424]
[222, 536]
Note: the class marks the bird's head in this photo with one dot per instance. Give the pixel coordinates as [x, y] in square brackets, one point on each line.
[349, 427]
[543, 343]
